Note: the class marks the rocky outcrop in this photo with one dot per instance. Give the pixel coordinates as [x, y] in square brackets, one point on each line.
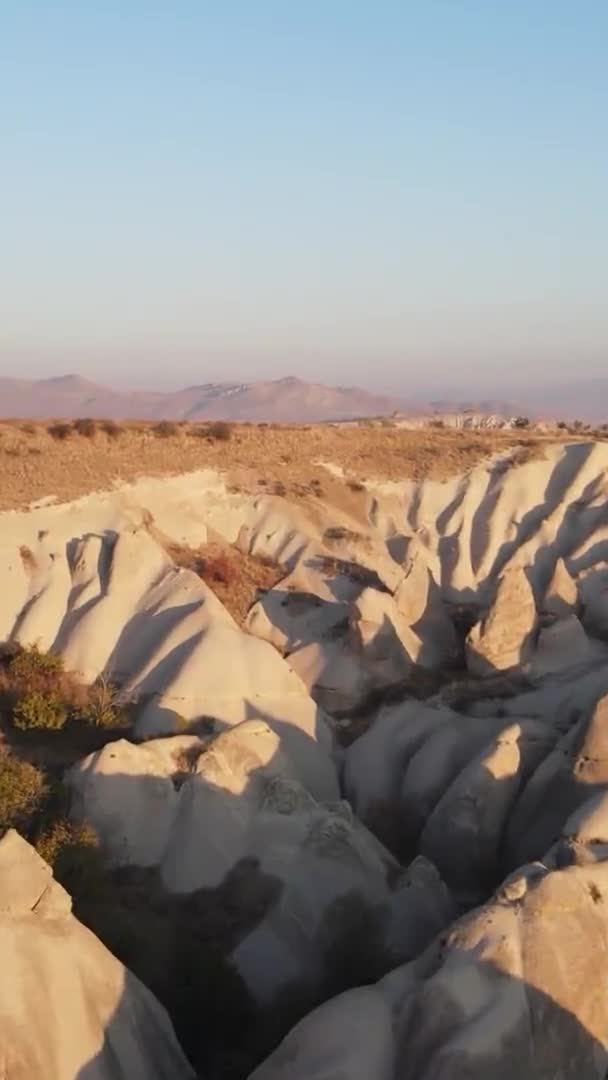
[244, 803]
[504, 638]
[68, 1009]
[477, 795]
[118, 606]
[516, 988]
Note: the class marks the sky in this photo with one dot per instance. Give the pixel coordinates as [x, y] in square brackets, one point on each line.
[388, 193]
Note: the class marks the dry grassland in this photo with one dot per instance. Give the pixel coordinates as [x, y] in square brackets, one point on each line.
[66, 461]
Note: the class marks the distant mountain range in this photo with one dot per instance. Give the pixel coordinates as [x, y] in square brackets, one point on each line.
[289, 399]
[284, 400]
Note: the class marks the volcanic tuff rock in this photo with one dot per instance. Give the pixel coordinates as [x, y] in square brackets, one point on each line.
[512, 989]
[505, 637]
[68, 1009]
[242, 802]
[484, 593]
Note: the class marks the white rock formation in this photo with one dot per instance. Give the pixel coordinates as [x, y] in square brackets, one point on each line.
[515, 988]
[68, 1009]
[505, 638]
[241, 801]
[119, 607]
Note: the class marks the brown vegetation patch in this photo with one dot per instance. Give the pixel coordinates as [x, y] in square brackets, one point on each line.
[235, 578]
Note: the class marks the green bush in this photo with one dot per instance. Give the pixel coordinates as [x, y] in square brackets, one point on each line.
[29, 665]
[34, 689]
[39, 711]
[23, 789]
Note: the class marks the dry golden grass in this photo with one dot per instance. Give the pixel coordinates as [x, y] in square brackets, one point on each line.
[34, 464]
[235, 578]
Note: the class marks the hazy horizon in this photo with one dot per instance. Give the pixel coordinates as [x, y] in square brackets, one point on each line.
[397, 197]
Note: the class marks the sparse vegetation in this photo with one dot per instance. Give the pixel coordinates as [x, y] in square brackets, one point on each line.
[37, 710]
[111, 428]
[103, 708]
[166, 429]
[61, 432]
[281, 454]
[85, 427]
[340, 532]
[23, 789]
[221, 430]
[72, 849]
[37, 694]
[521, 422]
[235, 578]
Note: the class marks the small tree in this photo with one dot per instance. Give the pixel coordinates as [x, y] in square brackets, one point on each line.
[521, 422]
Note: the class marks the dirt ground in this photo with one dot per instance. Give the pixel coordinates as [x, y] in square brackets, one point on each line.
[35, 464]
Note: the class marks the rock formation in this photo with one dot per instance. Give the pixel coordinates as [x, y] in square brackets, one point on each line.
[68, 1009]
[417, 711]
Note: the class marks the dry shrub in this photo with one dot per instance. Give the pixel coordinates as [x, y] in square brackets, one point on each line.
[23, 789]
[236, 578]
[220, 430]
[217, 568]
[111, 428]
[166, 429]
[28, 429]
[340, 532]
[61, 431]
[103, 708]
[85, 427]
[73, 852]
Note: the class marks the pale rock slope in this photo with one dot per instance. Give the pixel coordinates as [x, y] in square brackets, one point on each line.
[69, 1010]
[518, 549]
[241, 803]
[477, 795]
[489, 591]
[515, 988]
[117, 606]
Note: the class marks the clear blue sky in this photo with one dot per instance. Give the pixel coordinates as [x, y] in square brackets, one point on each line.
[396, 194]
